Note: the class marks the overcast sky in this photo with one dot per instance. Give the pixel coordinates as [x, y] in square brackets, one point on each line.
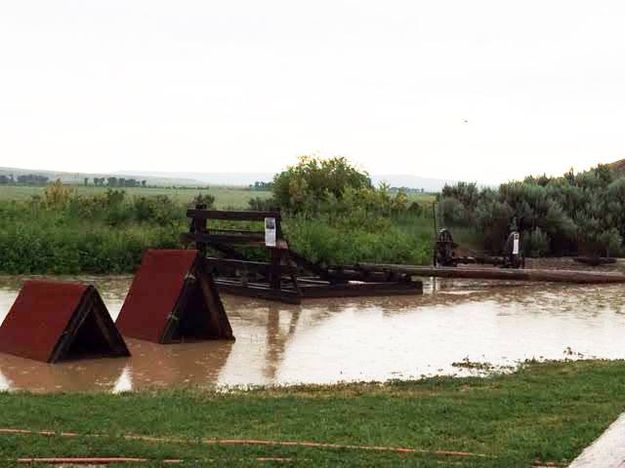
[472, 90]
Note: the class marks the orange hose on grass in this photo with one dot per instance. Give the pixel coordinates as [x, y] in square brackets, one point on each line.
[108, 460]
[91, 460]
[261, 442]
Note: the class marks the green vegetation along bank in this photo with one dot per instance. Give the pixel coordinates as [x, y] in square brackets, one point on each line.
[544, 413]
[332, 215]
[581, 213]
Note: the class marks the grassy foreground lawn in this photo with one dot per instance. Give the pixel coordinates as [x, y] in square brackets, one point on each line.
[543, 413]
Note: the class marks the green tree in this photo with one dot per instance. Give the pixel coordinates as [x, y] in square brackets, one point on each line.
[313, 180]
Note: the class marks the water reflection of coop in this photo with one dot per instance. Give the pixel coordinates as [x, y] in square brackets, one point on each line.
[260, 263]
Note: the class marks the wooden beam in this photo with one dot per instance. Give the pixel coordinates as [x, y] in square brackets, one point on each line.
[556, 276]
[181, 304]
[227, 250]
[218, 318]
[258, 291]
[309, 266]
[233, 215]
[207, 238]
[235, 264]
[236, 232]
[275, 272]
[361, 289]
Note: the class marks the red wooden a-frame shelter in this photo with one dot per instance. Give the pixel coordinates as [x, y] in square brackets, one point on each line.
[173, 298]
[55, 321]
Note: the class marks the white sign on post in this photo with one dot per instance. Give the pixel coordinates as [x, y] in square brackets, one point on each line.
[270, 232]
[515, 243]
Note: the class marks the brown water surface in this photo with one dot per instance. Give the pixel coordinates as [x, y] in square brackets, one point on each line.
[325, 341]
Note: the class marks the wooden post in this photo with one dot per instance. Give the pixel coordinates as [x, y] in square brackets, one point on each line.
[435, 234]
[275, 275]
[200, 225]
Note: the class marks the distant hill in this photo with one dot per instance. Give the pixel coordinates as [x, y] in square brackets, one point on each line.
[79, 177]
[216, 178]
[210, 178]
[241, 178]
[618, 166]
[410, 181]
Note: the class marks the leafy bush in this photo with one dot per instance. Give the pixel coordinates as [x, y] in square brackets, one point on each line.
[493, 218]
[313, 179]
[535, 243]
[330, 244]
[452, 212]
[56, 195]
[262, 204]
[582, 212]
[158, 209]
[53, 243]
[204, 199]
[467, 194]
[63, 232]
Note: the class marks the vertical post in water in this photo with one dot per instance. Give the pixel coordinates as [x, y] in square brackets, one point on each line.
[435, 233]
[200, 225]
[276, 273]
[271, 241]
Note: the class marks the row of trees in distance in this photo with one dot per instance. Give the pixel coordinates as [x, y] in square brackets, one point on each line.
[115, 182]
[24, 179]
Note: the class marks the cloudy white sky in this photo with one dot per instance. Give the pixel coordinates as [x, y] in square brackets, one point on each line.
[474, 90]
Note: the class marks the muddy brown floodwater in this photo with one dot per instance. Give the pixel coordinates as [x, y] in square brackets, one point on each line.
[325, 341]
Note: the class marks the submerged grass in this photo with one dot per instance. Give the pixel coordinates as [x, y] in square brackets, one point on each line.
[544, 412]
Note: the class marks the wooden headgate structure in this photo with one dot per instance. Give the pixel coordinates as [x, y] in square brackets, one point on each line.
[283, 274]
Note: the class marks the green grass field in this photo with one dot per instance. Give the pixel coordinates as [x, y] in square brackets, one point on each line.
[225, 197]
[544, 413]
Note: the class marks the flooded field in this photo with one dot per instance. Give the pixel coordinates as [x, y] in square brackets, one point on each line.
[324, 341]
